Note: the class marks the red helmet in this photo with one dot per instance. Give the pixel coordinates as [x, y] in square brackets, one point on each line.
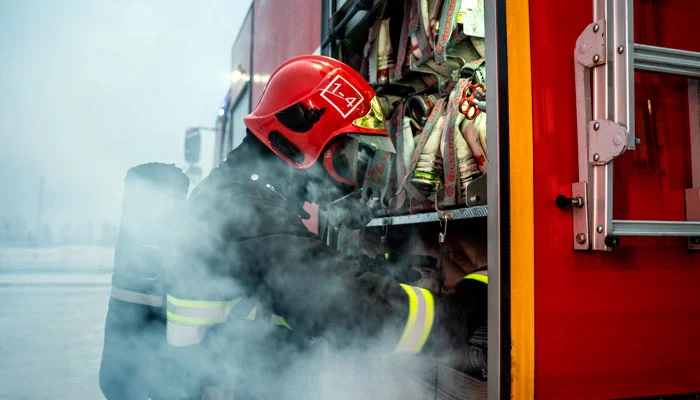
[308, 102]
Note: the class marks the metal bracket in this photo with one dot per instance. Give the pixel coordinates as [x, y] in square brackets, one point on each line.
[692, 196]
[476, 192]
[590, 45]
[590, 52]
[692, 213]
[581, 233]
[607, 140]
[445, 215]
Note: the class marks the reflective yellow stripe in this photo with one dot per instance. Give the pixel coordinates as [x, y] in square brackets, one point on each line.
[478, 277]
[198, 312]
[430, 316]
[253, 313]
[411, 316]
[421, 313]
[279, 321]
[197, 303]
[194, 321]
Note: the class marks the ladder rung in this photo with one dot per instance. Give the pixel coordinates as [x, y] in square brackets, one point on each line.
[655, 228]
[663, 59]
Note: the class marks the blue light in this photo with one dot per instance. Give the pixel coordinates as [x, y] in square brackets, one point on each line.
[221, 112]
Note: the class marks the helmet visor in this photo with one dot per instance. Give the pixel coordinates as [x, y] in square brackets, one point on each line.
[374, 119]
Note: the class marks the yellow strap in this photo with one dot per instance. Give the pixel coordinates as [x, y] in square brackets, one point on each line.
[478, 277]
[421, 313]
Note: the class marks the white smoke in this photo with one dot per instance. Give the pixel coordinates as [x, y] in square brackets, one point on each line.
[93, 88]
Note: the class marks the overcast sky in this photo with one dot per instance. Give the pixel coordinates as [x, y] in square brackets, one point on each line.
[90, 88]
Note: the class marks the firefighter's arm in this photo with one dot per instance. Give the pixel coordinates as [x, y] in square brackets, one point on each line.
[327, 293]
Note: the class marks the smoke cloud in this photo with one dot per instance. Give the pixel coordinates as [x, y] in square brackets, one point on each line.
[225, 246]
[91, 89]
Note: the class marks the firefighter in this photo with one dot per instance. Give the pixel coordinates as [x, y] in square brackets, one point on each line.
[252, 289]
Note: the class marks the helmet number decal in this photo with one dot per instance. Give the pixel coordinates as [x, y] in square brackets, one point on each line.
[343, 96]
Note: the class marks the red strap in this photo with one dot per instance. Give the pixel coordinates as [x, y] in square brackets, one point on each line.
[403, 41]
[421, 49]
[373, 30]
[447, 23]
[429, 124]
[449, 155]
[397, 125]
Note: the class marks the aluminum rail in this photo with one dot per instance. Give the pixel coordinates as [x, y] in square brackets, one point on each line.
[666, 60]
[655, 228]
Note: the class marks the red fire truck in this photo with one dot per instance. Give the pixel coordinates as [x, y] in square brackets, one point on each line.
[593, 276]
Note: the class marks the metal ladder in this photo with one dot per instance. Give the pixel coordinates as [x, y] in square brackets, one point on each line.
[605, 125]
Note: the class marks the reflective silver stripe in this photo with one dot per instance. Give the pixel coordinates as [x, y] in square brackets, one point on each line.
[420, 320]
[130, 296]
[180, 335]
[189, 320]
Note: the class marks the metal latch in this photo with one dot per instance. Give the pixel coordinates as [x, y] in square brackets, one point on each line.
[607, 140]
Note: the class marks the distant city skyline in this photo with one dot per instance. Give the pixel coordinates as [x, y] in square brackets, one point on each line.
[89, 89]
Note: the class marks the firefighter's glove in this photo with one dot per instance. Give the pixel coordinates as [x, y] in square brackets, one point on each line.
[458, 316]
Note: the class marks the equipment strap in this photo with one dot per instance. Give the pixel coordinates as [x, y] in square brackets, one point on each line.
[405, 142]
[376, 178]
[369, 51]
[396, 126]
[403, 41]
[420, 45]
[447, 24]
[437, 111]
[449, 155]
